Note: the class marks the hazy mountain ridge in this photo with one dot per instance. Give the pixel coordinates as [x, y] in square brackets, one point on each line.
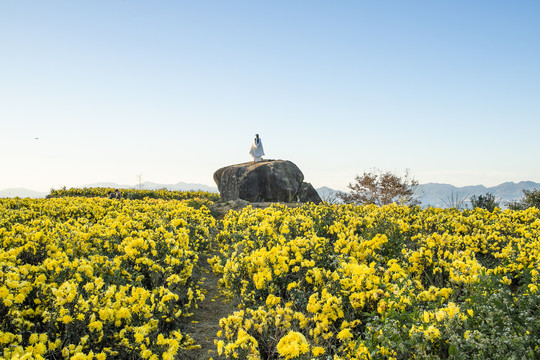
[148, 185]
[431, 194]
[441, 195]
[22, 193]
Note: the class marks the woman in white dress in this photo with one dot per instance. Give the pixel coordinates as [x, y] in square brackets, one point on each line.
[256, 150]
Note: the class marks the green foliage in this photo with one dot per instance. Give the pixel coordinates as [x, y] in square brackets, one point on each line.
[486, 201]
[530, 198]
[504, 324]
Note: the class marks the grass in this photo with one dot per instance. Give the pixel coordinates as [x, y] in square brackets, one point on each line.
[205, 320]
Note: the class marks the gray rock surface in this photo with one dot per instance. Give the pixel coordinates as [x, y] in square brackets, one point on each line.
[307, 193]
[265, 181]
[220, 209]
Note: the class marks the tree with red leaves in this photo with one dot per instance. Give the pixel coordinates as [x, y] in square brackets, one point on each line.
[382, 188]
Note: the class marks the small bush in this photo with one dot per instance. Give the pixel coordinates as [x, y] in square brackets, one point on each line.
[530, 198]
[486, 201]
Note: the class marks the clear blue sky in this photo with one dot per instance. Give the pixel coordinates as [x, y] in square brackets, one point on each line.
[174, 90]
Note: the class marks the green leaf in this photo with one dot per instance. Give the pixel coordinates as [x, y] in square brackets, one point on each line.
[452, 350]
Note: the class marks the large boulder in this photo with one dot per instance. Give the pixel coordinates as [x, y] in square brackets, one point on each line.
[265, 181]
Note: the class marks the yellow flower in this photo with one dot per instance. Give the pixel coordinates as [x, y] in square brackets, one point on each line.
[272, 300]
[33, 338]
[79, 356]
[66, 319]
[105, 314]
[145, 354]
[95, 325]
[123, 313]
[317, 350]
[220, 345]
[292, 345]
[40, 349]
[139, 337]
[431, 333]
[292, 285]
[344, 334]
[20, 298]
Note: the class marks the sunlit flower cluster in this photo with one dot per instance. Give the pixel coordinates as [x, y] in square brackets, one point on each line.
[93, 278]
[360, 282]
[97, 278]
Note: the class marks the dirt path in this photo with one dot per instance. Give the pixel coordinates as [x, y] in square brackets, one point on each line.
[205, 320]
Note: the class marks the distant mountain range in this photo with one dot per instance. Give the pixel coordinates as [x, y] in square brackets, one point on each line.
[446, 195]
[431, 194]
[180, 186]
[440, 195]
[22, 193]
[147, 185]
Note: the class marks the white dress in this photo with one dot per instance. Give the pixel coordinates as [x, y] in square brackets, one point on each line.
[256, 150]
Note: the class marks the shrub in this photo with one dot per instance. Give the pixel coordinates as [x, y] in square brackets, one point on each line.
[484, 202]
[530, 198]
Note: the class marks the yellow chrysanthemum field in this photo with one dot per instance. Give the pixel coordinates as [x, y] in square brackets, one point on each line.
[95, 278]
